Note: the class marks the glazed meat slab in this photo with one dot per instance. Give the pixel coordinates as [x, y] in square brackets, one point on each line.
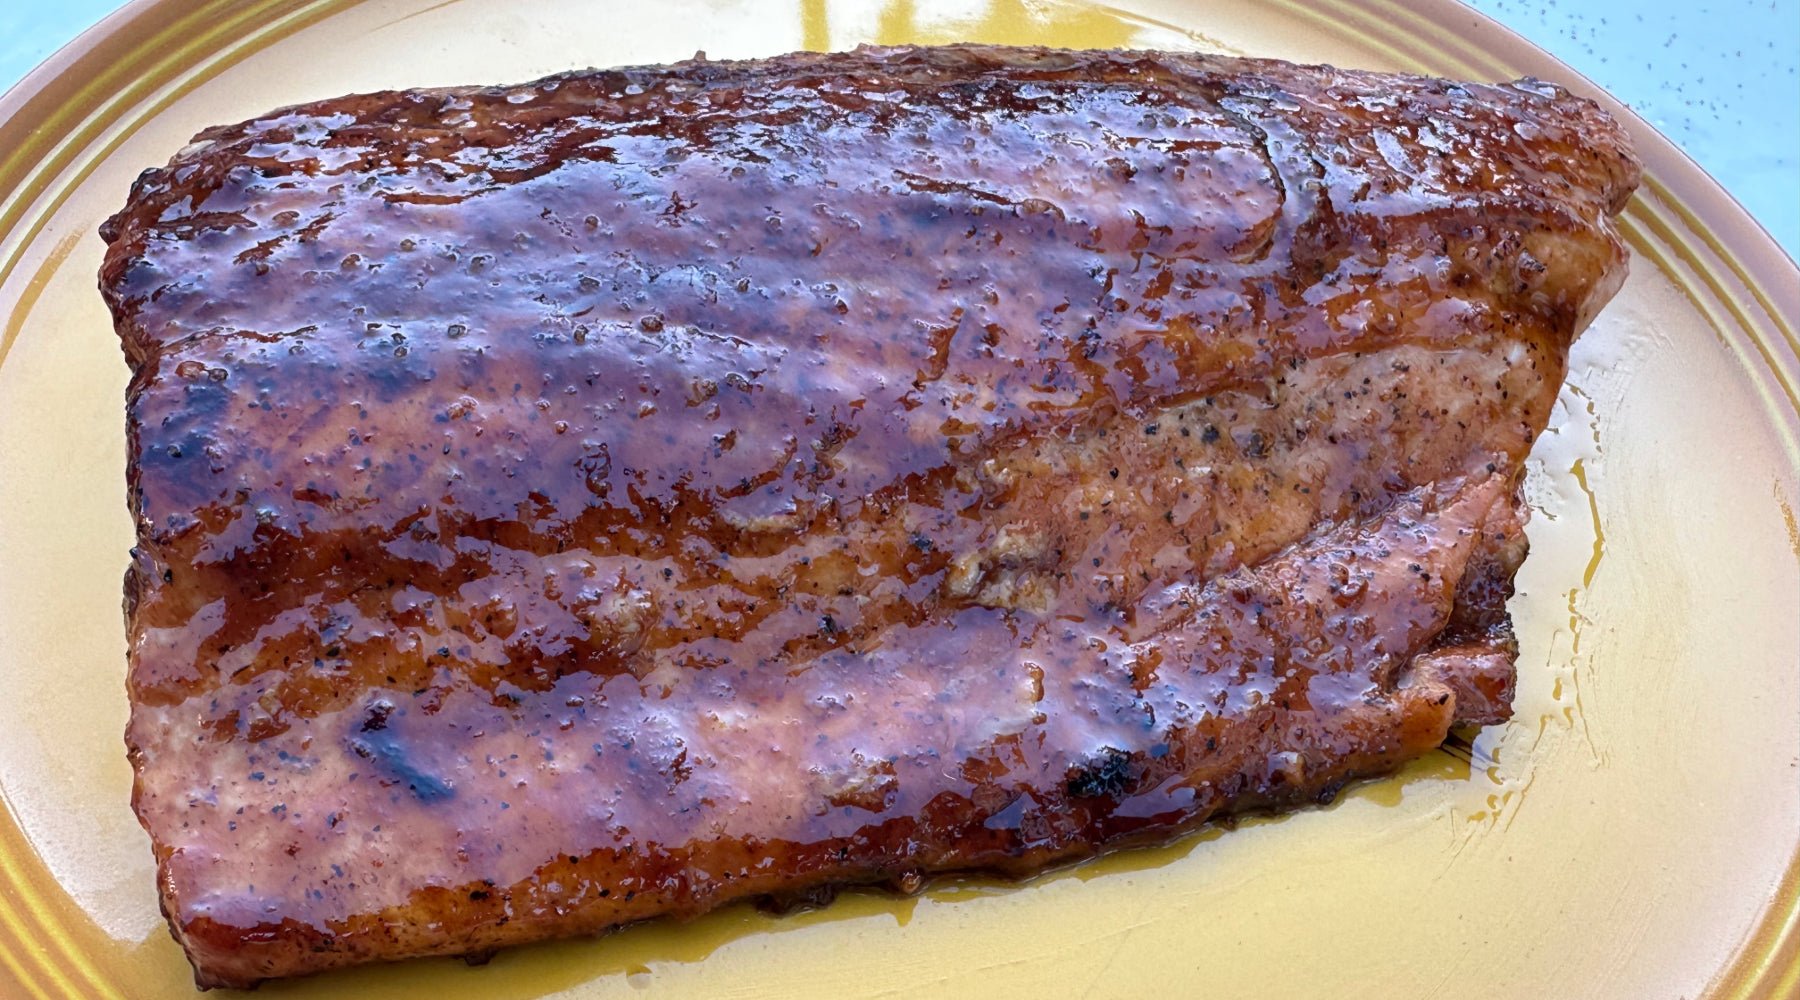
[618, 495]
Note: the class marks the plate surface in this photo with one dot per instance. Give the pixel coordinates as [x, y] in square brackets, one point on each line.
[1632, 833]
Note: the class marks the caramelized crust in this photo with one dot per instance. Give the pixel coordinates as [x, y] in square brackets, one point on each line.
[616, 495]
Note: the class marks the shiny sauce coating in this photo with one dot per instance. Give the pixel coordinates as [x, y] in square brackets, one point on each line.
[612, 496]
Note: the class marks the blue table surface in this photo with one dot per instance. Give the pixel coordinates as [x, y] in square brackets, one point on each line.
[1720, 77]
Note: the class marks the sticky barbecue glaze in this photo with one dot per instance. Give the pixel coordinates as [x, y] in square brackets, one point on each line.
[616, 495]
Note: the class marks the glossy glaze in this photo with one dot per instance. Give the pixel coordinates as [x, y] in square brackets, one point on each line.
[612, 496]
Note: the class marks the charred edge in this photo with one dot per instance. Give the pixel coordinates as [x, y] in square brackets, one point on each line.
[1329, 792]
[386, 748]
[1107, 775]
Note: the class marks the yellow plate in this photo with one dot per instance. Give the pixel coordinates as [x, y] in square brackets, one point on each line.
[1631, 834]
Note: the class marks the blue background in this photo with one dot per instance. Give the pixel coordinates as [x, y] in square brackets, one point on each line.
[1721, 78]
